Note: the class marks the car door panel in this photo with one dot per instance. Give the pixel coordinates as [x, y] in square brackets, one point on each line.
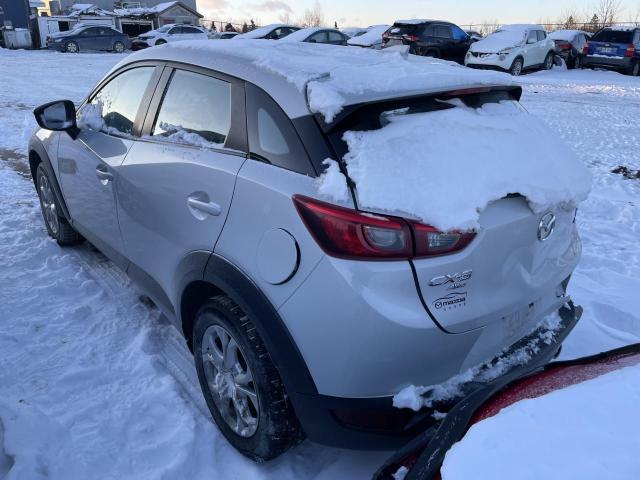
[88, 165]
[175, 189]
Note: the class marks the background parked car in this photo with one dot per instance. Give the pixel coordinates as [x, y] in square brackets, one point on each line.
[513, 48]
[569, 45]
[317, 35]
[475, 35]
[275, 31]
[369, 38]
[96, 37]
[614, 47]
[430, 38]
[169, 33]
[353, 31]
[224, 35]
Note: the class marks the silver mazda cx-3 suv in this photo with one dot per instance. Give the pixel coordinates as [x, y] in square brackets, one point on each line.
[195, 169]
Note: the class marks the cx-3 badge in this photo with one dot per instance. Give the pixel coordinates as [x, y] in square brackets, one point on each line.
[546, 226]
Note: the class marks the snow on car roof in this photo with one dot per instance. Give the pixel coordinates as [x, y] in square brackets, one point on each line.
[520, 27]
[259, 32]
[370, 37]
[622, 28]
[301, 35]
[416, 21]
[326, 77]
[507, 37]
[566, 35]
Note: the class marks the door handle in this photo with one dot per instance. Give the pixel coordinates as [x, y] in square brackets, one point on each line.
[103, 174]
[210, 208]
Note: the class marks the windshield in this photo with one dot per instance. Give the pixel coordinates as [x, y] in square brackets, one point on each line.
[614, 36]
[164, 29]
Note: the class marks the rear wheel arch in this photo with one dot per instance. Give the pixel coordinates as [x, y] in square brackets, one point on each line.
[222, 277]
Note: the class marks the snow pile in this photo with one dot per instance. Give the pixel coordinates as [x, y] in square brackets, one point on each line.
[334, 76]
[445, 167]
[416, 398]
[372, 36]
[178, 134]
[587, 431]
[508, 36]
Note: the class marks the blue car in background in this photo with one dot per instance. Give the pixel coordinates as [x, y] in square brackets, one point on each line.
[614, 47]
[92, 37]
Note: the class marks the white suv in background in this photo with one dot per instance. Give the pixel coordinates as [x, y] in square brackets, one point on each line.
[513, 48]
[169, 33]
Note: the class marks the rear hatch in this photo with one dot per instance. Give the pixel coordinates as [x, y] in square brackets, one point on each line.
[516, 266]
[402, 34]
[611, 43]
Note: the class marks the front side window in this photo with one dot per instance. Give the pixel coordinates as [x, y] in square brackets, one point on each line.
[195, 110]
[88, 32]
[533, 37]
[335, 37]
[114, 108]
[174, 30]
[320, 37]
[541, 35]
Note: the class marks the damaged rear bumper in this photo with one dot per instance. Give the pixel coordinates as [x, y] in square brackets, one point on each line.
[424, 454]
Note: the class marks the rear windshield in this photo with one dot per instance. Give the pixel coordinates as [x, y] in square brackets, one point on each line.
[375, 116]
[403, 29]
[614, 36]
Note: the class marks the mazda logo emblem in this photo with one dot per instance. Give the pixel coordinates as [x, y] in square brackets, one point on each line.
[546, 226]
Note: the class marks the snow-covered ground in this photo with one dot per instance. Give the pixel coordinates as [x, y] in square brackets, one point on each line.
[94, 383]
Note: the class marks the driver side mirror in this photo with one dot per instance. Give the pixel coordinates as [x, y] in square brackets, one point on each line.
[59, 116]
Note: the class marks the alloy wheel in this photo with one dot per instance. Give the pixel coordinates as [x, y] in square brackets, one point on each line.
[516, 70]
[230, 381]
[119, 47]
[72, 47]
[548, 62]
[48, 204]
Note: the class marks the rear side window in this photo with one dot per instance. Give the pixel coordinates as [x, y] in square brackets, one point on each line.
[195, 110]
[614, 36]
[272, 137]
[114, 108]
[541, 35]
[443, 31]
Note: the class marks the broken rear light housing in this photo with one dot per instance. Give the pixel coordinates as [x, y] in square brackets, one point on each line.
[351, 234]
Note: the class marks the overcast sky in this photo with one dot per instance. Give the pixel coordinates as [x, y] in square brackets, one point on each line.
[368, 12]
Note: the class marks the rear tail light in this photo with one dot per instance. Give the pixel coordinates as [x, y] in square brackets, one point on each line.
[585, 49]
[564, 46]
[385, 35]
[631, 50]
[346, 233]
[411, 38]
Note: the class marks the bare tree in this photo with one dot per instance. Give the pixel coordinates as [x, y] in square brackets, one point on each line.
[608, 12]
[487, 27]
[312, 17]
[285, 18]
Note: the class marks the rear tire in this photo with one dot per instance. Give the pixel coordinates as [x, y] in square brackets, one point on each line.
[432, 54]
[118, 47]
[227, 371]
[71, 47]
[57, 226]
[577, 62]
[516, 67]
[161, 42]
[548, 61]
[634, 69]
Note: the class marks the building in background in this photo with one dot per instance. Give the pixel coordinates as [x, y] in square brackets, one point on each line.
[65, 5]
[15, 13]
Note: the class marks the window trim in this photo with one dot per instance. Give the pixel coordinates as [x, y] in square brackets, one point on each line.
[236, 141]
[146, 97]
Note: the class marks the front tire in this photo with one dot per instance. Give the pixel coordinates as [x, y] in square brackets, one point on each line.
[71, 47]
[516, 67]
[548, 61]
[118, 47]
[161, 42]
[240, 383]
[57, 226]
